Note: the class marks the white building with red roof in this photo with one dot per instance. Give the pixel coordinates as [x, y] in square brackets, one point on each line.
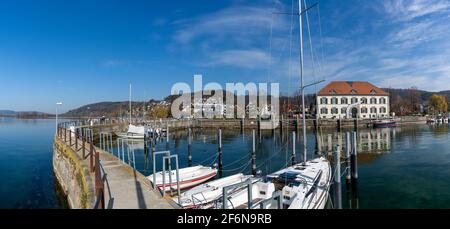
[361, 100]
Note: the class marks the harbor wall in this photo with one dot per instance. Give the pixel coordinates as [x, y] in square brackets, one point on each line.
[290, 123]
[73, 177]
[174, 124]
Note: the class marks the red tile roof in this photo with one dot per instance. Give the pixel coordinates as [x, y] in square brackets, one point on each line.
[351, 88]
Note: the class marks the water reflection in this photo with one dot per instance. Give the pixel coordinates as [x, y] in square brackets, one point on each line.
[385, 156]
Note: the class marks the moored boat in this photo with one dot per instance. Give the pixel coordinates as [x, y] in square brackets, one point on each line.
[260, 191]
[189, 177]
[204, 195]
[134, 132]
[305, 185]
[384, 123]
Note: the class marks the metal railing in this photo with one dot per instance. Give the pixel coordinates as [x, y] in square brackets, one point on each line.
[73, 139]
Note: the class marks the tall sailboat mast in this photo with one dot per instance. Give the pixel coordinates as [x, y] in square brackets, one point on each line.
[302, 86]
[130, 104]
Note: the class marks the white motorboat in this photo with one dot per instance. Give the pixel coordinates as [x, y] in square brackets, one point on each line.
[261, 191]
[204, 195]
[189, 177]
[305, 185]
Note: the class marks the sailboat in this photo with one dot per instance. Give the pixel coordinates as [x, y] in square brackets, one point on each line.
[134, 132]
[304, 185]
[203, 196]
[260, 191]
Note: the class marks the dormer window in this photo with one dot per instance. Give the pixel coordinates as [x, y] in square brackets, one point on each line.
[373, 92]
[353, 92]
[333, 92]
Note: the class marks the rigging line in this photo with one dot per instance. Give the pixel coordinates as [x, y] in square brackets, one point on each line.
[311, 46]
[274, 155]
[209, 158]
[235, 162]
[236, 169]
[290, 52]
[321, 39]
[270, 44]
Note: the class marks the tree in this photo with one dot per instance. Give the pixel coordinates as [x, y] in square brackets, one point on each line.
[414, 95]
[438, 104]
[160, 111]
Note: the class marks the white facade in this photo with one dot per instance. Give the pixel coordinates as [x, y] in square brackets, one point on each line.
[361, 106]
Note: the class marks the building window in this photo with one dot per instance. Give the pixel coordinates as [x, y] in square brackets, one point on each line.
[364, 101]
[382, 101]
[344, 110]
[364, 110]
[354, 100]
[324, 111]
[383, 110]
[373, 101]
[334, 110]
[344, 101]
[334, 101]
[323, 101]
[373, 110]
[353, 92]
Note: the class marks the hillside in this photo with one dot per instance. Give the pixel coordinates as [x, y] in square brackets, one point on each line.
[422, 96]
[114, 109]
[117, 109]
[24, 114]
[7, 112]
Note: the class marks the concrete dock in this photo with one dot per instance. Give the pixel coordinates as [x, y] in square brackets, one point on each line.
[124, 187]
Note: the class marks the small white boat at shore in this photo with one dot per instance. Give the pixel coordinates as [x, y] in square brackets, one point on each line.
[189, 177]
[204, 195]
[304, 186]
[134, 132]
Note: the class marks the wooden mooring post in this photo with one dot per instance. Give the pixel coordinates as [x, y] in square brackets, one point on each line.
[219, 150]
[354, 158]
[337, 178]
[348, 149]
[294, 161]
[190, 147]
[254, 154]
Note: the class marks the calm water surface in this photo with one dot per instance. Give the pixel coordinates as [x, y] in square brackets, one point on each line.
[405, 167]
[26, 164]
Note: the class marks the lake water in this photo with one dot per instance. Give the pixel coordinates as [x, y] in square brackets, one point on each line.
[27, 179]
[405, 167]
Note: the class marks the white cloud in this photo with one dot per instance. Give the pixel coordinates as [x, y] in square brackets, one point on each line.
[251, 59]
[407, 10]
[408, 46]
[232, 23]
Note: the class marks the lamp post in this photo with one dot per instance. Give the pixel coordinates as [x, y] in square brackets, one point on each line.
[57, 104]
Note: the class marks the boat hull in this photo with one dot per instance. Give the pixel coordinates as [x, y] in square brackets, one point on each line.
[204, 195]
[385, 124]
[189, 177]
[187, 183]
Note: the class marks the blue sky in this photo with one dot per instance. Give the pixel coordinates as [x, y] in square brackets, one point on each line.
[82, 51]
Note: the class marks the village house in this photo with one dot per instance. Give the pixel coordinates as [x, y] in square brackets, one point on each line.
[362, 100]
